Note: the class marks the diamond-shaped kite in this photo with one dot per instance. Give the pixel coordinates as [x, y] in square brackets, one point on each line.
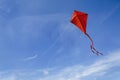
[79, 19]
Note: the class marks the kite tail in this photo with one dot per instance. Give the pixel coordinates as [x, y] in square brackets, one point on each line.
[92, 46]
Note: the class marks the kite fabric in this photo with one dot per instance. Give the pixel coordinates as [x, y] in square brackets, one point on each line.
[79, 19]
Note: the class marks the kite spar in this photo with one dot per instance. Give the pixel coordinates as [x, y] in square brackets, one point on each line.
[79, 19]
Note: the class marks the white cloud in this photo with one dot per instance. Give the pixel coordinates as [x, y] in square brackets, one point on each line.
[109, 13]
[32, 26]
[31, 57]
[45, 72]
[99, 68]
[8, 77]
[75, 72]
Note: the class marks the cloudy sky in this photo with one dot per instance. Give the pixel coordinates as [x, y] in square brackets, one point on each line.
[38, 42]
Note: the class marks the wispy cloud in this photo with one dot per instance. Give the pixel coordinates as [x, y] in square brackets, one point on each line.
[31, 57]
[78, 72]
[109, 13]
[75, 72]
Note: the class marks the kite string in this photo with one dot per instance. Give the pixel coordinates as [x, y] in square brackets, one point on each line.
[92, 45]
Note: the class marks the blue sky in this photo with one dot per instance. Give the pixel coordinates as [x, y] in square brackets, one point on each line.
[38, 42]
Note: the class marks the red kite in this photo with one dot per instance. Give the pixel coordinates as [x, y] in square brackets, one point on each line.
[79, 19]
